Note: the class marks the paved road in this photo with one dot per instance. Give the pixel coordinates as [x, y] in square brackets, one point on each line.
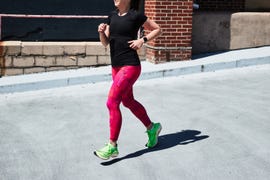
[216, 125]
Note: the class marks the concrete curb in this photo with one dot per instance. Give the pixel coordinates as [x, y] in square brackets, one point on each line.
[103, 74]
[207, 67]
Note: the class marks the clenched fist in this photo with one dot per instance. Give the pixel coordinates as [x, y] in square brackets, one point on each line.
[102, 27]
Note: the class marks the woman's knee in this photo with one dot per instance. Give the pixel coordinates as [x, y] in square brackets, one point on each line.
[112, 103]
[127, 102]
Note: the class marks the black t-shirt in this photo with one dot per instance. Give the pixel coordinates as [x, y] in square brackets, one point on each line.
[123, 29]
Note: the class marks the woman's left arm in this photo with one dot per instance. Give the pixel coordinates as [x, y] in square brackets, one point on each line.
[155, 31]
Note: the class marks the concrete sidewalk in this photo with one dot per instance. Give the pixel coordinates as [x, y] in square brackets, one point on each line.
[210, 62]
[215, 126]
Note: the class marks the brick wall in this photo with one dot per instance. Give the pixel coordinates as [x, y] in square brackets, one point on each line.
[175, 19]
[221, 5]
[18, 57]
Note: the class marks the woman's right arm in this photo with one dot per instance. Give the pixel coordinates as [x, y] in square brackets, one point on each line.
[104, 34]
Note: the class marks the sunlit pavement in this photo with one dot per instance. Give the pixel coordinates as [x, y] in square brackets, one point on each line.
[215, 126]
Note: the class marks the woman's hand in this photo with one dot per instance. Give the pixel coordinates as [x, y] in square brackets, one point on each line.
[102, 28]
[104, 34]
[136, 44]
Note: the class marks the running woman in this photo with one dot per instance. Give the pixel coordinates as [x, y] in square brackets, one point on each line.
[121, 33]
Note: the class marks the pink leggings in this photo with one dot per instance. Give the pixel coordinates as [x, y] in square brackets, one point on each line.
[122, 91]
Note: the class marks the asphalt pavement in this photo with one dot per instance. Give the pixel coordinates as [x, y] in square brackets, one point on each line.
[216, 125]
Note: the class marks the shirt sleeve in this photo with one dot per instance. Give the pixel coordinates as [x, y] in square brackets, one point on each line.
[108, 20]
[141, 18]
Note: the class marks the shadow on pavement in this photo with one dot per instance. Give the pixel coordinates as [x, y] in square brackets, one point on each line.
[165, 142]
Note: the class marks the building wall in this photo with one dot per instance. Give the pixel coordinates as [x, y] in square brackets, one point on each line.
[221, 5]
[257, 5]
[222, 31]
[234, 5]
[175, 20]
[220, 25]
[19, 57]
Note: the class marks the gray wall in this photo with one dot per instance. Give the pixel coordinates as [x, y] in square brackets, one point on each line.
[221, 31]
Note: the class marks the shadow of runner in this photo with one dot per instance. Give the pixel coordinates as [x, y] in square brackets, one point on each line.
[164, 142]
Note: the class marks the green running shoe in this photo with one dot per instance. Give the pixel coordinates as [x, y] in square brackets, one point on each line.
[153, 135]
[106, 152]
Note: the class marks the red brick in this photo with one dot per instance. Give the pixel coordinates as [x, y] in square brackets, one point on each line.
[175, 19]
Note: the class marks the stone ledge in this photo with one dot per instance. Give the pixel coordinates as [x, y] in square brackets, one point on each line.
[96, 48]
[16, 48]
[52, 48]
[32, 48]
[250, 30]
[34, 57]
[10, 48]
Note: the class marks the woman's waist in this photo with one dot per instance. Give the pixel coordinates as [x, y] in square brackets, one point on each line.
[121, 38]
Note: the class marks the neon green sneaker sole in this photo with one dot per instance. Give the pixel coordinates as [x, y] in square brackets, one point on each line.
[107, 152]
[153, 135]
